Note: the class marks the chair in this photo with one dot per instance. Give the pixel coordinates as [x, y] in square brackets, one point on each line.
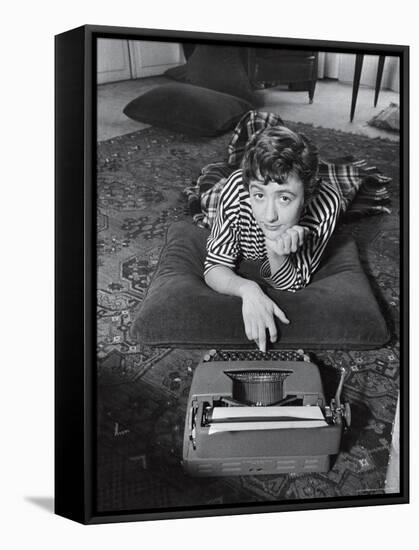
[297, 68]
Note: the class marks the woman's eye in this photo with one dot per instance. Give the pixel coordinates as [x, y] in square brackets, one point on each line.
[258, 196]
[284, 198]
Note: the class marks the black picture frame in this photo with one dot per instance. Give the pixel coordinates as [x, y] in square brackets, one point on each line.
[75, 279]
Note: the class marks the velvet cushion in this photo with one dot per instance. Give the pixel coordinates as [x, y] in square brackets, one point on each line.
[176, 73]
[337, 310]
[188, 109]
[220, 68]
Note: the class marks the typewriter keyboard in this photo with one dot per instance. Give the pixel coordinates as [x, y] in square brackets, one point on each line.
[256, 355]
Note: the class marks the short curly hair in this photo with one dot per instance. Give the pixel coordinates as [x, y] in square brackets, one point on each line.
[272, 154]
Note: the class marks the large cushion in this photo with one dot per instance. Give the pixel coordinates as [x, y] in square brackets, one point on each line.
[337, 310]
[220, 68]
[176, 73]
[188, 109]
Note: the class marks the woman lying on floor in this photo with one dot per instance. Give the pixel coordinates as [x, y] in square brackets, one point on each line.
[275, 201]
[275, 209]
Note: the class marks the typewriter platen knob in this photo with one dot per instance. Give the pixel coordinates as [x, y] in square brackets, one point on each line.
[347, 414]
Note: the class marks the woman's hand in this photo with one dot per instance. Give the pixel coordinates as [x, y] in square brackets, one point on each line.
[287, 241]
[259, 313]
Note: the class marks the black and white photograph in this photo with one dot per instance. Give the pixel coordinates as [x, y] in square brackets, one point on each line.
[209, 227]
[249, 246]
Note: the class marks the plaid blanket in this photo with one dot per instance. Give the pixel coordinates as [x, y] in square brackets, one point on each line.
[353, 179]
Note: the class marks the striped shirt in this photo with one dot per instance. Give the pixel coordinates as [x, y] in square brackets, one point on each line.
[235, 234]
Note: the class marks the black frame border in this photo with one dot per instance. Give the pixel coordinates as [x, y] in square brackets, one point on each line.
[75, 273]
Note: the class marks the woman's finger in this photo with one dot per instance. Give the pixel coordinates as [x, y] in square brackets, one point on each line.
[247, 328]
[302, 232]
[295, 239]
[262, 337]
[273, 333]
[286, 240]
[280, 314]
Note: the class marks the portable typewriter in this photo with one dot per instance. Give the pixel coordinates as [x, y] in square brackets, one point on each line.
[261, 417]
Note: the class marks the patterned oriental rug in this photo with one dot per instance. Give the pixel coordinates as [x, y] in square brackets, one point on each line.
[142, 391]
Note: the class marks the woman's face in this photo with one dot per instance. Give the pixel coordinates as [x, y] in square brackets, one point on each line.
[277, 206]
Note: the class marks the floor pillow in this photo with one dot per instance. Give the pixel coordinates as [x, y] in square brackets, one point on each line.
[176, 73]
[188, 109]
[337, 310]
[220, 68]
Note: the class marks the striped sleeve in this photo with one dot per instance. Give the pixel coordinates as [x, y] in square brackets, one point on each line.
[223, 243]
[321, 216]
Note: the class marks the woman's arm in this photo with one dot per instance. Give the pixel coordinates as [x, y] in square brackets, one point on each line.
[223, 249]
[296, 255]
[258, 310]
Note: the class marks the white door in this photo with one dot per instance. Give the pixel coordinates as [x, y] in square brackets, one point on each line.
[113, 60]
[149, 58]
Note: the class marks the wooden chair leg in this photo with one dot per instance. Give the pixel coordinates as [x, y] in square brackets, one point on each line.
[380, 70]
[311, 91]
[357, 77]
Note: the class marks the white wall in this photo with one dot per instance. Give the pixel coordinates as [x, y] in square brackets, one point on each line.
[342, 66]
[369, 71]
